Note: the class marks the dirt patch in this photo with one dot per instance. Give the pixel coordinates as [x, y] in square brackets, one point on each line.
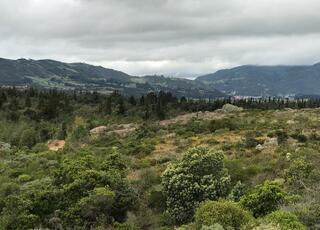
[133, 175]
[56, 145]
[228, 137]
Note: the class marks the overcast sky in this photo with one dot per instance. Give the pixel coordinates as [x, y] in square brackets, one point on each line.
[171, 37]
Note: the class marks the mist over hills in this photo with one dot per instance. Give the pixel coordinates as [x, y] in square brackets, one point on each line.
[252, 80]
[81, 76]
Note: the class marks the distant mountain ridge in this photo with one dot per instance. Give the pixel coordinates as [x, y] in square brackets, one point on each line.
[81, 76]
[253, 80]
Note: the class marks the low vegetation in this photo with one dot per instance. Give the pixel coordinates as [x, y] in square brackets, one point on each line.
[172, 166]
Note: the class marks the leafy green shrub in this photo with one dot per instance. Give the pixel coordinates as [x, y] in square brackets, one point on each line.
[237, 192]
[223, 123]
[226, 213]
[298, 173]
[212, 227]
[308, 211]
[241, 171]
[16, 215]
[156, 200]
[285, 220]
[200, 175]
[24, 178]
[196, 126]
[264, 226]
[96, 206]
[28, 138]
[282, 136]
[149, 177]
[250, 142]
[299, 137]
[264, 199]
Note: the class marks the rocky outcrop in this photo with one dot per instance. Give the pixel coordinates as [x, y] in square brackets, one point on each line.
[228, 108]
[121, 130]
[98, 131]
[270, 141]
[259, 147]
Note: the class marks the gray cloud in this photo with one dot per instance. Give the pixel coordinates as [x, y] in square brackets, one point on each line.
[177, 38]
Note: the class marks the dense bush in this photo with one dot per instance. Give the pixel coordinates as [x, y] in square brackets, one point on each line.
[200, 175]
[308, 212]
[264, 199]
[86, 194]
[282, 136]
[223, 123]
[299, 137]
[285, 220]
[226, 213]
[298, 174]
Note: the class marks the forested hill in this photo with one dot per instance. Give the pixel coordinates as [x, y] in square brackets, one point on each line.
[81, 76]
[251, 80]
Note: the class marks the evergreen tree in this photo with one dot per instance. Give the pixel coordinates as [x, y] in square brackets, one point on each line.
[121, 108]
[27, 102]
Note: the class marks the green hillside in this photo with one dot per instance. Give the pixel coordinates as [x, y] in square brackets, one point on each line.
[46, 74]
[250, 80]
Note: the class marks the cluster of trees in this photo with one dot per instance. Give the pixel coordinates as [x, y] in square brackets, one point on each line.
[198, 190]
[52, 104]
[77, 191]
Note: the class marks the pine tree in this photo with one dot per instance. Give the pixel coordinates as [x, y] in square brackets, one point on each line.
[160, 111]
[121, 108]
[27, 102]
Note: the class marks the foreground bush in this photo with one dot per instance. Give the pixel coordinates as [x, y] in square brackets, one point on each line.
[199, 176]
[226, 213]
[264, 199]
[284, 220]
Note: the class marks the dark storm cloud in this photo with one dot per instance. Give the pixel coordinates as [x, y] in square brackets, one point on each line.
[184, 37]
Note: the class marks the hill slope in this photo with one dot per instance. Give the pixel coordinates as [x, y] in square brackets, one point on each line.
[250, 80]
[81, 76]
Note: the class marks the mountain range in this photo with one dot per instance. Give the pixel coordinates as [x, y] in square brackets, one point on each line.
[80, 76]
[246, 80]
[252, 80]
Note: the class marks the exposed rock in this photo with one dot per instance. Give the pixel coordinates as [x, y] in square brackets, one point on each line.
[259, 147]
[290, 122]
[121, 130]
[270, 141]
[289, 109]
[98, 131]
[288, 156]
[228, 108]
[171, 135]
[124, 130]
[4, 146]
[124, 126]
[56, 145]
[307, 132]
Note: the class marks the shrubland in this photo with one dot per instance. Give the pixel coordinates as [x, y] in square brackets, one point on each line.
[178, 168]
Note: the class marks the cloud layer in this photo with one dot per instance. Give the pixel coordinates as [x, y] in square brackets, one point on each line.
[175, 38]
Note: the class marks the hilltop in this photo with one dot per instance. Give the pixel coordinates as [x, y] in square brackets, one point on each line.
[254, 80]
[48, 74]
